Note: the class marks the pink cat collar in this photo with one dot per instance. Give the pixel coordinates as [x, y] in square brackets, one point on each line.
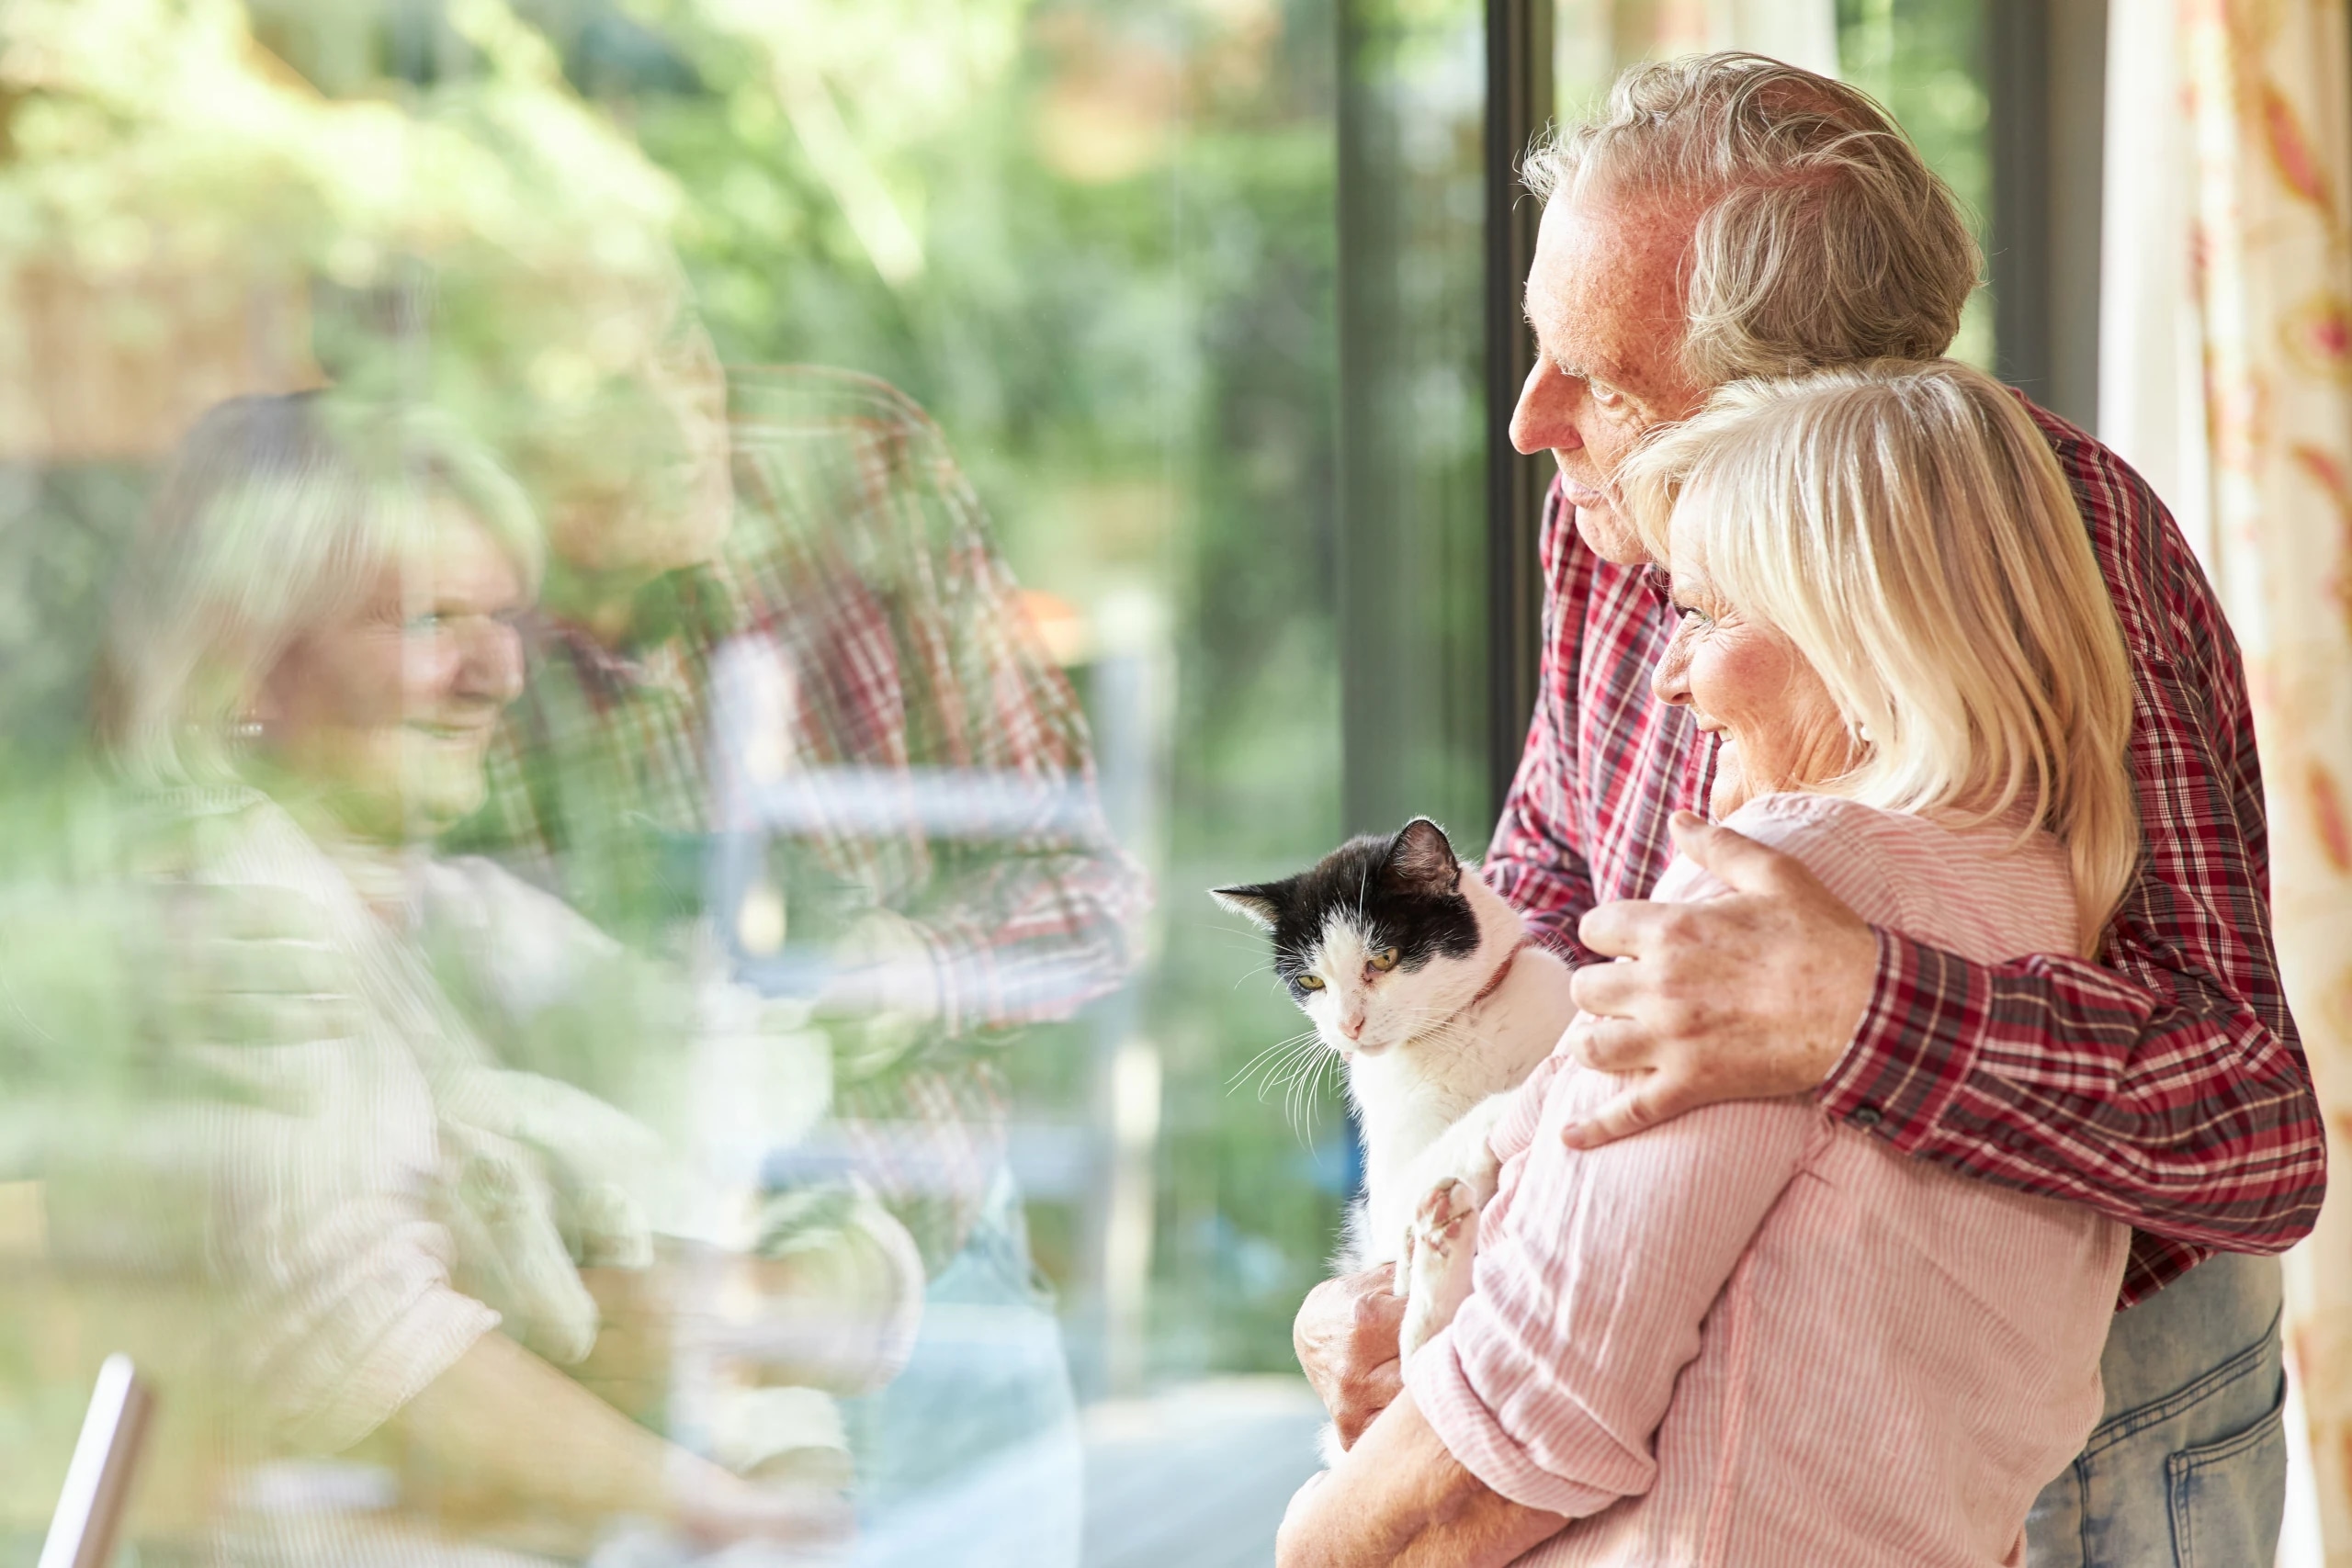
[1502, 972]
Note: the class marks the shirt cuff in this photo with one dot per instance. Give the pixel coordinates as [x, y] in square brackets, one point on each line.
[1915, 1047]
[1441, 1391]
[428, 1338]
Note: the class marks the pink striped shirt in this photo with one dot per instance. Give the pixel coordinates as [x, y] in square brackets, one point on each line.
[1756, 1337]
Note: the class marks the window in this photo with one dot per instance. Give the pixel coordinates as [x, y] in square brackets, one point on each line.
[574, 803]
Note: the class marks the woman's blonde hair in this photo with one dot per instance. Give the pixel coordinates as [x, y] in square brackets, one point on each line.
[1905, 525]
[273, 517]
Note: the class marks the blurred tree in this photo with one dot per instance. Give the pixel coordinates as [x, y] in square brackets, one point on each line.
[1096, 240]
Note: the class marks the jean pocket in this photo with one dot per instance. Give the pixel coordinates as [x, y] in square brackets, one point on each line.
[2229, 1496]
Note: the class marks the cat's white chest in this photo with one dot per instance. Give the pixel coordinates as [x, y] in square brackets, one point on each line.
[1404, 1100]
[1418, 1100]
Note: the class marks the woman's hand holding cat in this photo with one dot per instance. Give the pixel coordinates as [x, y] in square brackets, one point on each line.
[1346, 1337]
[1751, 995]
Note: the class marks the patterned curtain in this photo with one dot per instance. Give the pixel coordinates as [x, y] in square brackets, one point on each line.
[2226, 375]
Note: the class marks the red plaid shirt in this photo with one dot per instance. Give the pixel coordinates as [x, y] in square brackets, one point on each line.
[2165, 1088]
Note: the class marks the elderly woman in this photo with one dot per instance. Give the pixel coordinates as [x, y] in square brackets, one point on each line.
[1755, 1335]
[306, 664]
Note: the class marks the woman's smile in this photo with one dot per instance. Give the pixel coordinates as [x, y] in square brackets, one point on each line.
[389, 714]
[1775, 726]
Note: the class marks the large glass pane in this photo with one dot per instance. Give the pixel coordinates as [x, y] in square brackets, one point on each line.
[630, 634]
[1412, 404]
[607, 932]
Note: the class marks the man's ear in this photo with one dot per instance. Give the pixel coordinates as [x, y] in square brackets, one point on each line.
[1260, 903]
[1422, 857]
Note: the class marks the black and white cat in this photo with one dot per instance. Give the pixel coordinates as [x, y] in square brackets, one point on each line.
[1426, 982]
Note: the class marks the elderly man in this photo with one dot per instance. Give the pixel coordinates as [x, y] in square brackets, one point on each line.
[812, 524]
[1732, 217]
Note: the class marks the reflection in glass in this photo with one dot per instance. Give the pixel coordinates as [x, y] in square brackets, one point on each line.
[629, 629]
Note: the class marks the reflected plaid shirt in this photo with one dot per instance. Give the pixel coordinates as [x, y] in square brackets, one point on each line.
[2165, 1088]
[860, 553]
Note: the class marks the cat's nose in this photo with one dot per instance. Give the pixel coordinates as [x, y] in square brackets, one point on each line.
[1352, 1028]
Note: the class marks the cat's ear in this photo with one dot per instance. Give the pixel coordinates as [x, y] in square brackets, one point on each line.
[1422, 857]
[1261, 902]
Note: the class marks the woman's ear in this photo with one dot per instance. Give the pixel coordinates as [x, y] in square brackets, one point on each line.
[1260, 903]
[1422, 857]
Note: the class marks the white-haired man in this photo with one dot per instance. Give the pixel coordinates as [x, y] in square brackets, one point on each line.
[1731, 217]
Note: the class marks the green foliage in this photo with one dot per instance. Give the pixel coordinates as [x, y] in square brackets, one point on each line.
[1135, 356]
[1095, 240]
[1923, 59]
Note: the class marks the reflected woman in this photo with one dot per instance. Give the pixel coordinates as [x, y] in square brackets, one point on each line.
[308, 656]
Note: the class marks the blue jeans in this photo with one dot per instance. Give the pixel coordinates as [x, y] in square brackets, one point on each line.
[2188, 1467]
[971, 1456]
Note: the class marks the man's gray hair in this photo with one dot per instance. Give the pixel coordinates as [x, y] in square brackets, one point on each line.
[1824, 238]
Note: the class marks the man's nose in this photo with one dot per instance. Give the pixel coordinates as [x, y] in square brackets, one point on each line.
[493, 668]
[1545, 419]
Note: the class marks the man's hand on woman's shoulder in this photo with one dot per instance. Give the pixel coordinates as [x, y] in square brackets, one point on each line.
[1345, 1335]
[1749, 995]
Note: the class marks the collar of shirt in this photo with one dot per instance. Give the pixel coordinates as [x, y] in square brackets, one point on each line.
[609, 675]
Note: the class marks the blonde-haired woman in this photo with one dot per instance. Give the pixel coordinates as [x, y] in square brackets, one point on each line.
[1754, 1336]
[306, 658]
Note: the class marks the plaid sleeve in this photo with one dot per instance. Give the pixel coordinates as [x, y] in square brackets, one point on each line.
[1030, 940]
[1535, 860]
[1029, 930]
[2164, 1086]
[866, 555]
[2193, 1124]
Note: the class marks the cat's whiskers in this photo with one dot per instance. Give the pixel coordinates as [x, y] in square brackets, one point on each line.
[1265, 969]
[1282, 1049]
[1263, 1060]
[1302, 1064]
[1298, 1104]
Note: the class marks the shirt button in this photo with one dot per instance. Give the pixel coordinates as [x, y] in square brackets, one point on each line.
[1867, 1116]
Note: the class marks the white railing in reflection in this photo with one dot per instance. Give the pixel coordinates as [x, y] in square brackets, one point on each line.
[1048, 1159]
[759, 783]
[980, 804]
[761, 791]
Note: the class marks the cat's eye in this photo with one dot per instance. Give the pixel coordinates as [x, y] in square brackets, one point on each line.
[1310, 982]
[1385, 960]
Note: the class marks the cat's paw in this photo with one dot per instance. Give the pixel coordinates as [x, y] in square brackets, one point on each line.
[1481, 1172]
[1443, 1243]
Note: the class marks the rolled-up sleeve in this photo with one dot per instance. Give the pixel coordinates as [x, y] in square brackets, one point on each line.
[370, 1333]
[1596, 1269]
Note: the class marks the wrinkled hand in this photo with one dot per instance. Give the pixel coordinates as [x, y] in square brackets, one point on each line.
[883, 995]
[247, 966]
[1749, 995]
[1346, 1337]
[226, 979]
[719, 1509]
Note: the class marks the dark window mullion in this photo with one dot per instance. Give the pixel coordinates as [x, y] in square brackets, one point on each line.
[1518, 104]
